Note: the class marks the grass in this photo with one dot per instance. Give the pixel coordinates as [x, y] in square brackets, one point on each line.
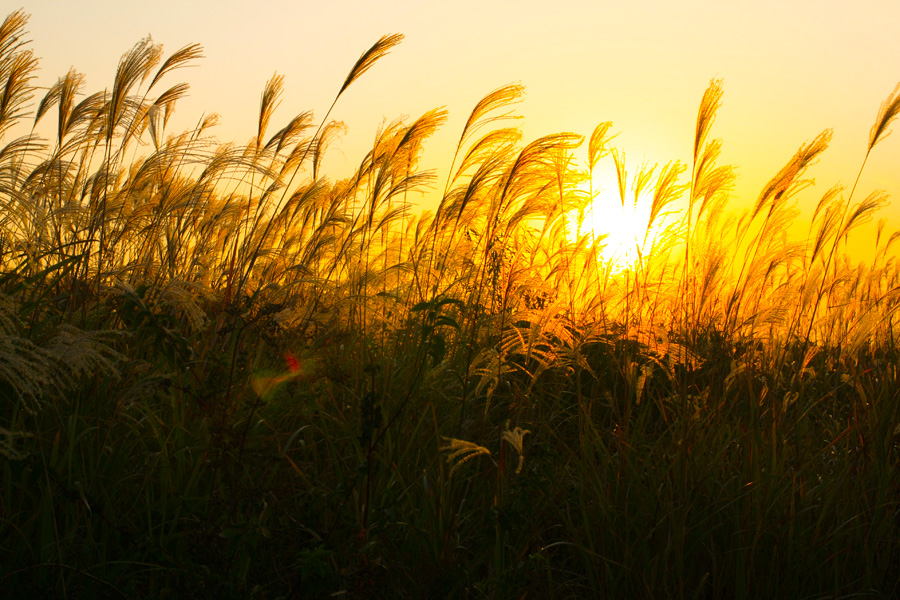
[225, 375]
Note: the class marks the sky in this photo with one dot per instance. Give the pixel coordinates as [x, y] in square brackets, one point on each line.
[790, 68]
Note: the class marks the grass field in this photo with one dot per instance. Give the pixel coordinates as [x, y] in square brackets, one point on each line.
[225, 375]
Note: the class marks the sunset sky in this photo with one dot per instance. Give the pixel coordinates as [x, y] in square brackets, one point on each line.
[790, 70]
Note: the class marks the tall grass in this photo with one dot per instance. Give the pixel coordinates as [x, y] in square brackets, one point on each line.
[224, 374]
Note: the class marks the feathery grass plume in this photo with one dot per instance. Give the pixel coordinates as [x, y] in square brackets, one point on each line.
[860, 327]
[290, 133]
[187, 299]
[331, 131]
[31, 372]
[11, 31]
[667, 189]
[134, 66]
[515, 438]
[153, 125]
[177, 60]
[882, 223]
[381, 48]
[863, 212]
[713, 275]
[787, 182]
[621, 173]
[888, 111]
[530, 339]
[701, 165]
[17, 71]
[826, 217]
[307, 201]
[268, 102]
[490, 153]
[528, 187]
[206, 122]
[166, 101]
[410, 145]
[157, 114]
[392, 161]
[86, 353]
[461, 209]
[710, 180]
[498, 142]
[598, 145]
[709, 105]
[763, 252]
[460, 452]
[490, 365]
[87, 114]
[464, 199]
[641, 179]
[484, 112]
[404, 156]
[250, 253]
[885, 248]
[886, 114]
[62, 93]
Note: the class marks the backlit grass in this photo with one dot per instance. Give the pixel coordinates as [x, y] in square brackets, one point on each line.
[224, 374]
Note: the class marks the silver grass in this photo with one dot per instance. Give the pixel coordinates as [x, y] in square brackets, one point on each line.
[863, 212]
[269, 101]
[621, 173]
[484, 112]
[787, 182]
[177, 60]
[598, 144]
[11, 31]
[16, 90]
[134, 67]
[889, 110]
[712, 99]
[368, 59]
[641, 179]
[86, 353]
[667, 189]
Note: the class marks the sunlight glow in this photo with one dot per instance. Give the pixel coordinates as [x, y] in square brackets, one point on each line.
[625, 227]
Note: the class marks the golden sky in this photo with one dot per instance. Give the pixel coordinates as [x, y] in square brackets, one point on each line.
[790, 68]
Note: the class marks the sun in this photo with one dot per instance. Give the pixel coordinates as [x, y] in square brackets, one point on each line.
[621, 228]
